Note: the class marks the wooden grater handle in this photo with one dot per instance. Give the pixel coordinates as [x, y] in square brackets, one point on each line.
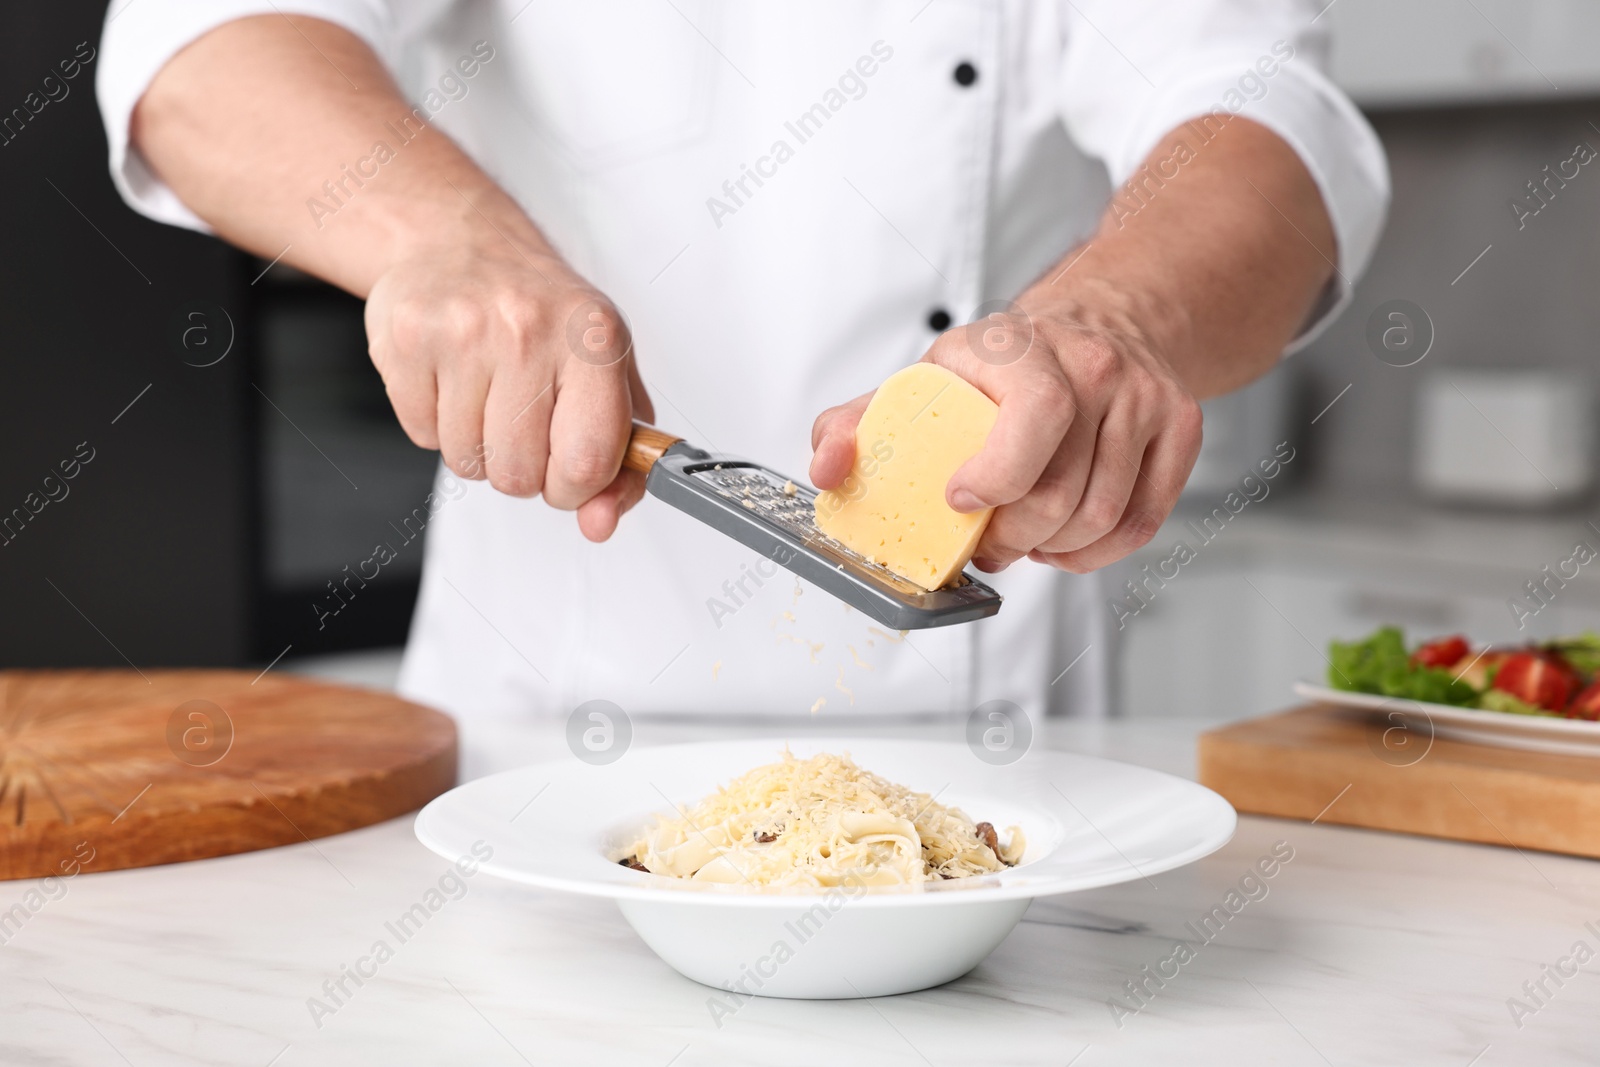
[647, 445]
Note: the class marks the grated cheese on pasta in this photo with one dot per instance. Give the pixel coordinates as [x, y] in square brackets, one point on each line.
[818, 822]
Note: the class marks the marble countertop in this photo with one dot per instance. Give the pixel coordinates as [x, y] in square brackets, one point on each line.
[1368, 949]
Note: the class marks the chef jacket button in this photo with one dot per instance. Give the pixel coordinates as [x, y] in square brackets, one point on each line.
[938, 320]
[965, 74]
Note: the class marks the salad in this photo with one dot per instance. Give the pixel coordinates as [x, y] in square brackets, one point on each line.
[1558, 678]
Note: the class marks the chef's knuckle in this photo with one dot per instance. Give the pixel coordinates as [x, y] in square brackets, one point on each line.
[381, 351]
[1094, 363]
[1005, 539]
[419, 429]
[1187, 422]
[515, 480]
[526, 321]
[603, 314]
[596, 331]
[465, 463]
[1072, 563]
[408, 325]
[415, 413]
[1099, 516]
[1139, 529]
[1055, 506]
[463, 319]
[1049, 398]
[418, 424]
[1006, 483]
[587, 469]
[949, 349]
[1149, 392]
[819, 427]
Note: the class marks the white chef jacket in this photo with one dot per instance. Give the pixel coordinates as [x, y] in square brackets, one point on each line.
[778, 196]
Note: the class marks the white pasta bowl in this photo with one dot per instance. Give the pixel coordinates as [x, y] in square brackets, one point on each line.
[1089, 822]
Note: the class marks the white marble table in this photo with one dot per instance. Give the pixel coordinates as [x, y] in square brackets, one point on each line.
[1369, 949]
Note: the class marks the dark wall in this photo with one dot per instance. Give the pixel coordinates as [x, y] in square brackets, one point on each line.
[144, 556]
[227, 412]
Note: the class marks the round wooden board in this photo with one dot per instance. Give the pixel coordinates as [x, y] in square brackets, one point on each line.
[138, 769]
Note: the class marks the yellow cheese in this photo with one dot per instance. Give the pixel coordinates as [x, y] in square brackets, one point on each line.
[921, 425]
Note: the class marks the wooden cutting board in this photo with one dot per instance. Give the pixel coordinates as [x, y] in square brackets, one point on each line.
[138, 769]
[1294, 764]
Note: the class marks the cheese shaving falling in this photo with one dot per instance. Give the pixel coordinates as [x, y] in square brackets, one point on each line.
[818, 822]
[838, 683]
[813, 647]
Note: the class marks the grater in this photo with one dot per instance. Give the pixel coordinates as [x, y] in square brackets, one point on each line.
[776, 516]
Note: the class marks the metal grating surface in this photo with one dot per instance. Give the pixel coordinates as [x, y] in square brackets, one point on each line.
[765, 493]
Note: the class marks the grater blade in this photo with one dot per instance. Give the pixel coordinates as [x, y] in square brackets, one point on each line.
[775, 515]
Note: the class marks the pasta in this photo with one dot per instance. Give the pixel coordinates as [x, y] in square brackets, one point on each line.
[820, 822]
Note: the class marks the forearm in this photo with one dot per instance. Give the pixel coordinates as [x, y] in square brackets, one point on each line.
[270, 130]
[260, 121]
[1189, 289]
[1217, 266]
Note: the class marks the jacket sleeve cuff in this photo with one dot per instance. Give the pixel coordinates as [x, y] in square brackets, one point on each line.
[1333, 140]
[141, 36]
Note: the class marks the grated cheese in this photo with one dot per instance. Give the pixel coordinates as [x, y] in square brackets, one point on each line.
[816, 822]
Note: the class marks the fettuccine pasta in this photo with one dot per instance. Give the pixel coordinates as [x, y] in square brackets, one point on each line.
[818, 822]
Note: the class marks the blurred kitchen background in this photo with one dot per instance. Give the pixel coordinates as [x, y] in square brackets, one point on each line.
[243, 453]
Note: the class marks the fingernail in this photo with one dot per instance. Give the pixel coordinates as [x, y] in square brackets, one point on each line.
[989, 566]
[964, 500]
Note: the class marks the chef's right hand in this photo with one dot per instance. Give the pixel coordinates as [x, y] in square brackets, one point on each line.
[515, 369]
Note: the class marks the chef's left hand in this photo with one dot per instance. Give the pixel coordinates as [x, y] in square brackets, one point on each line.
[1095, 437]
[1097, 367]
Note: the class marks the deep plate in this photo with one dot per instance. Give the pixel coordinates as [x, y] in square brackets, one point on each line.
[1568, 737]
[1090, 822]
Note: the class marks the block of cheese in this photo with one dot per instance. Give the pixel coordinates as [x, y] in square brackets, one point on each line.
[921, 425]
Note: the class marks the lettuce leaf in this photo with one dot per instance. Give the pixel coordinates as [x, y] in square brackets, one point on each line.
[1360, 666]
[1583, 651]
[1380, 664]
[1431, 685]
[1500, 700]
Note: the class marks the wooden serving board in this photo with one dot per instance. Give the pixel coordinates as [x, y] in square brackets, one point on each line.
[1294, 763]
[139, 769]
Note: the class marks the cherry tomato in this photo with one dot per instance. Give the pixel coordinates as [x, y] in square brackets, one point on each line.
[1444, 652]
[1534, 680]
[1586, 705]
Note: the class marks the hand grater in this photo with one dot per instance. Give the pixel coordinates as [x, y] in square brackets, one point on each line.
[763, 510]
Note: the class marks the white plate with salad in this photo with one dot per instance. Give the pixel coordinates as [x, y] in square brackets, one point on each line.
[1543, 696]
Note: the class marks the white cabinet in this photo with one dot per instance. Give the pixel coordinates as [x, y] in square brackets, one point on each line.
[1233, 632]
[1399, 53]
[1189, 651]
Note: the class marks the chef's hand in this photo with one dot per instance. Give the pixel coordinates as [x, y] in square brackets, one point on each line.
[1193, 292]
[1095, 437]
[491, 348]
[517, 370]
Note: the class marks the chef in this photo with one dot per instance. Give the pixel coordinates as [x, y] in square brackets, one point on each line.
[735, 220]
